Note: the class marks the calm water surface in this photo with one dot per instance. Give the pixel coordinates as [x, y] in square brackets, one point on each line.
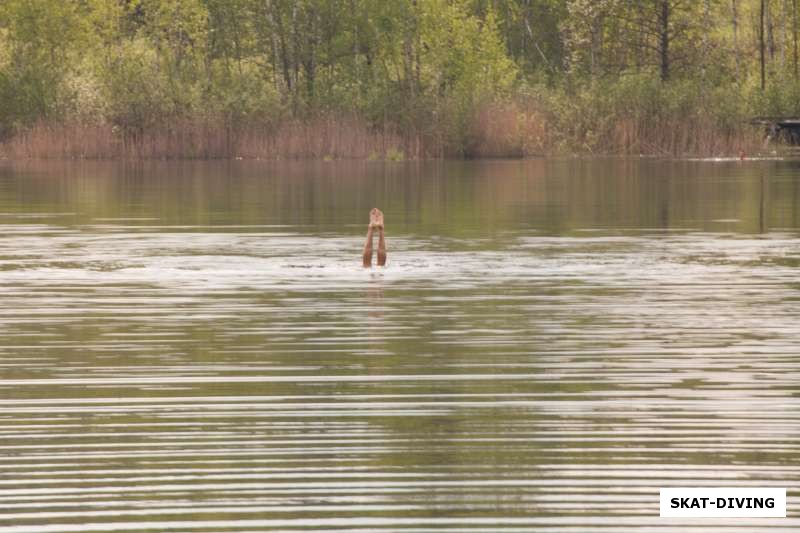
[195, 348]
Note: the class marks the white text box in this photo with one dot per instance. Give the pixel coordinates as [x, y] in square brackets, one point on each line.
[713, 502]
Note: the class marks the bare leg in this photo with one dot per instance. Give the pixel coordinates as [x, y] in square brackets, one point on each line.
[381, 248]
[375, 222]
[368, 249]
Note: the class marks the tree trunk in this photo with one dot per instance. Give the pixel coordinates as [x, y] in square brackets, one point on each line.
[794, 37]
[295, 54]
[770, 33]
[526, 14]
[354, 10]
[279, 43]
[706, 43]
[784, 40]
[593, 49]
[310, 59]
[761, 46]
[663, 46]
[736, 56]
[596, 42]
[408, 51]
[642, 39]
[418, 46]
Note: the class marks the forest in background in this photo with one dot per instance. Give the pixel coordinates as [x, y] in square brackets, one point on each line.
[396, 79]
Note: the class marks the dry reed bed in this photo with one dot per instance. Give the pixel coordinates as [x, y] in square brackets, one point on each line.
[515, 129]
[318, 139]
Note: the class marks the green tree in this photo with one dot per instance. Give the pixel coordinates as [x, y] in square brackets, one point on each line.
[41, 41]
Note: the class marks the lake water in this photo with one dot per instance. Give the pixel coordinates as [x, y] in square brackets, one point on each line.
[194, 347]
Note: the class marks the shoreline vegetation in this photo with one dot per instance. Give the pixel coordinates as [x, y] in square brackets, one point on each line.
[411, 79]
[498, 132]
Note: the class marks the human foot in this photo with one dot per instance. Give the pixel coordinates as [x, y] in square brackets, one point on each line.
[376, 218]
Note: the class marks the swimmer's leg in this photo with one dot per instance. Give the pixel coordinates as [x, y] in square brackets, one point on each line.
[368, 249]
[381, 248]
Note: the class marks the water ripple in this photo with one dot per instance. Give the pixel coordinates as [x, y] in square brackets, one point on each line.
[186, 378]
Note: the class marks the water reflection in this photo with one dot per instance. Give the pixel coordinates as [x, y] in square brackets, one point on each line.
[468, 199]
[195, 347]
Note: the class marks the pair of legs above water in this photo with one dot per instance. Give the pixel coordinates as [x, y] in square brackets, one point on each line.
[375, 224]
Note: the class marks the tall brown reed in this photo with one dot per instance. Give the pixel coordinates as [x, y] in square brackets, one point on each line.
[514, 128]
[325, 137]
[507, 129]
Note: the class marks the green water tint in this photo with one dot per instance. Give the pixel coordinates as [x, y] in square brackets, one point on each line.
[195, 347]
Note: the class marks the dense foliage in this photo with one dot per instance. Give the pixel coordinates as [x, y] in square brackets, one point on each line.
[586, 75]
